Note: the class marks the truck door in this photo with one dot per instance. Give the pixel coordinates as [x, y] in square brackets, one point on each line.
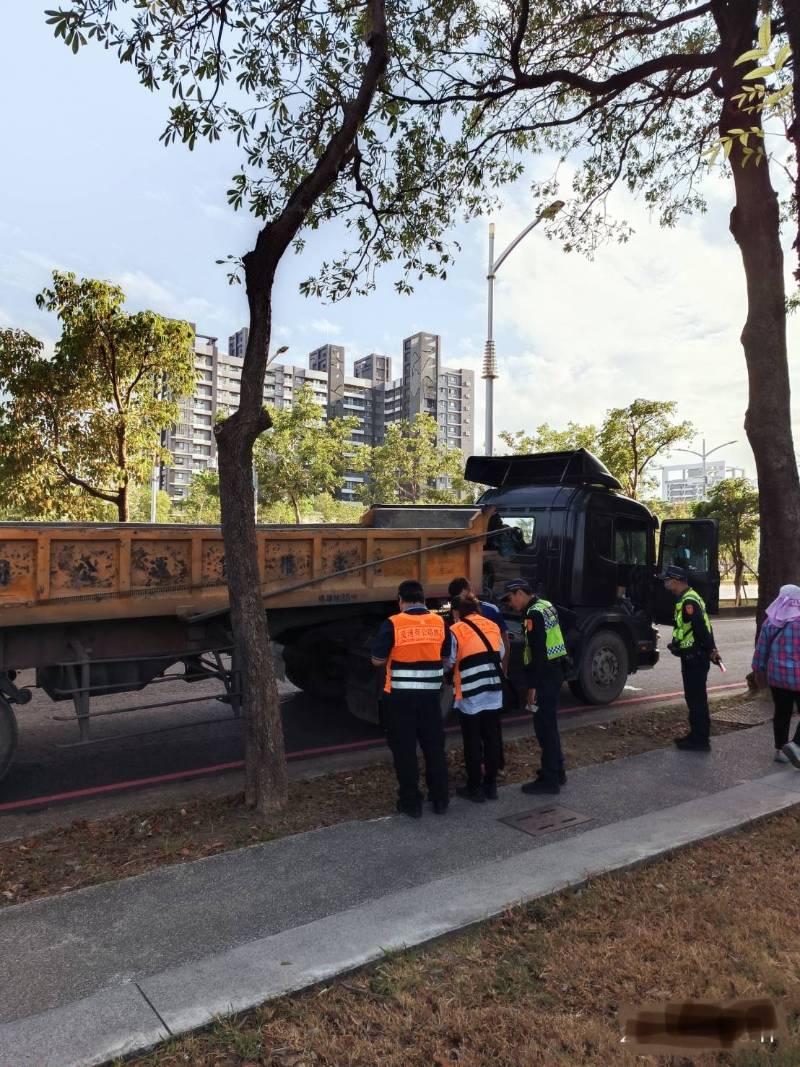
[693, 544]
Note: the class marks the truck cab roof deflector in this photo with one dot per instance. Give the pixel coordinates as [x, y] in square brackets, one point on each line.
[575, 467]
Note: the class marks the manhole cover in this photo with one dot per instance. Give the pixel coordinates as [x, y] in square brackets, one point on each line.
[750, 714]
[545, 820]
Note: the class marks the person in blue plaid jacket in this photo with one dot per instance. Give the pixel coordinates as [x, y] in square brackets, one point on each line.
[776, 663]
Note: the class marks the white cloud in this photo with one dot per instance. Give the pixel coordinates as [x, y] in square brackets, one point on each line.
[324, 326]
[658, 317]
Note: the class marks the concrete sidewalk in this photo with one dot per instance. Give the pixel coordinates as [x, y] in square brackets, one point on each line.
[110, 969]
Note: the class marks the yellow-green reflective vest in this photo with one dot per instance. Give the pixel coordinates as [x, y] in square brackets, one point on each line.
[554, 639]
[682, 632]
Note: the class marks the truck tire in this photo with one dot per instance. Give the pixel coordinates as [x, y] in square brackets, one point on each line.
[8, 736]
[317, 664]
[603, 669]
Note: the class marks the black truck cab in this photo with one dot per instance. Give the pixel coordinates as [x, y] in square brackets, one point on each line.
[561, 522]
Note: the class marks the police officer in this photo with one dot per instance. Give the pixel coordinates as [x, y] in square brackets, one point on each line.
[543, 657]
[411, 646]
[693, 641]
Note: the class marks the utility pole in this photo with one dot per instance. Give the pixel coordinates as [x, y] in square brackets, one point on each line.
[489, 356]
[703, 457]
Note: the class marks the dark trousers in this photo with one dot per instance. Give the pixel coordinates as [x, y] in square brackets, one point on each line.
[483, 745]
[545, 725]
[785, 700]
[409, 717]
[694, 670]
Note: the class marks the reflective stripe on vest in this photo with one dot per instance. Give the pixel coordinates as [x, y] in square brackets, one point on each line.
[415, 661]
[682, 632]
[555, 646]
[476, 669]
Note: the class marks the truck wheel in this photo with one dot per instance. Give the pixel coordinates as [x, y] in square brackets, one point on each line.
[603, 670]
[8, 736]
[317, 665]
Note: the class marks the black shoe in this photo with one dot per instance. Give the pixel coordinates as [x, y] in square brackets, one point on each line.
[540, 787]
[413, 811]
[440, 806]
[475, 795]
[490, 790]
[562, 776]
[692, 744]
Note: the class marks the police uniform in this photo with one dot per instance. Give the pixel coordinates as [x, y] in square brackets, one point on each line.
[543, 658]
[413, 643]
[475, 657]
[693, 641]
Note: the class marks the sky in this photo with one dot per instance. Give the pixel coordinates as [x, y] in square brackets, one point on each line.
[86, 186]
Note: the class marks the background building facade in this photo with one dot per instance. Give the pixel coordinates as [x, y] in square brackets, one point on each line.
[685, 482]
[370, 395]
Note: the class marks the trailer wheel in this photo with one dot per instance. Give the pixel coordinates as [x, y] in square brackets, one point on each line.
[317, 664]
[8, 736]
[603, 669]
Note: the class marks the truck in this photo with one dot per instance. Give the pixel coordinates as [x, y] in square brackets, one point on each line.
[95, 610]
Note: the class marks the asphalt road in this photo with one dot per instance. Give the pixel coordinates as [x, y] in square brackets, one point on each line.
[49, 760]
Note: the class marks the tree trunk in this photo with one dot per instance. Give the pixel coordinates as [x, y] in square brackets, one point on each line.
[738, 573]
[266, 780]
[755, 226]
[122, 504]
[296, 507]
[791, 15]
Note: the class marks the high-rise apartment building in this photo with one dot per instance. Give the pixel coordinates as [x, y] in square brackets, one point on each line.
[191, 439]
[370, 395]
[237, 343]
[376, 368]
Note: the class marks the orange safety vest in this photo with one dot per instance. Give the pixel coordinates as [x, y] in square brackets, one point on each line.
[415, 661]
[476, 668]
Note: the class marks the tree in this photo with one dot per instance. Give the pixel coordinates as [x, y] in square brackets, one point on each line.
[546, 439]
[302, 105]
[633, 436]
[636, 94]
[201, 504]
[406, 468]
[734, 504]
[627, 442]
[87, 422]
[302, 454]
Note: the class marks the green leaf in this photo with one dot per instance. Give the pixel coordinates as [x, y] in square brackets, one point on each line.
[754, 53]
[759, 72]
[783, 54]
[765, 33]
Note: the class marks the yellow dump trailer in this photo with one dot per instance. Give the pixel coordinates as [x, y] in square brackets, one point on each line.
[99, 609]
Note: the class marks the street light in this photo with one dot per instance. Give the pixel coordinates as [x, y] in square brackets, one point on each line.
[489, 355]
[703, 456]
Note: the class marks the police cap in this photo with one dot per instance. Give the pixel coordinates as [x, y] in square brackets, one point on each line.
[680, 574]
[517, 585]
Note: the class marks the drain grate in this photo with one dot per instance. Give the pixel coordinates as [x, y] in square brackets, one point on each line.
[545, 820]
[752, 713]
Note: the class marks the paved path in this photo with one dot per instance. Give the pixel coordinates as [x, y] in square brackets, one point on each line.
[109, 969]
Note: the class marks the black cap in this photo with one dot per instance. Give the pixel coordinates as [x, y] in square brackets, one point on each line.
[517, 585]
[679, 573]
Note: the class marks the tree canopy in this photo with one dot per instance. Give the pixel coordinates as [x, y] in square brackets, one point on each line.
[734, 504]
[412, 466]
[83, 426]
[303, 455]
[628, 440]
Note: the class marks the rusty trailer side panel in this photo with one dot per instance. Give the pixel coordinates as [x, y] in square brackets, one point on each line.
[70, 573]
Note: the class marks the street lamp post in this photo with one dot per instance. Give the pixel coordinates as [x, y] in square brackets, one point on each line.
[703, 456]
[489, 356]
